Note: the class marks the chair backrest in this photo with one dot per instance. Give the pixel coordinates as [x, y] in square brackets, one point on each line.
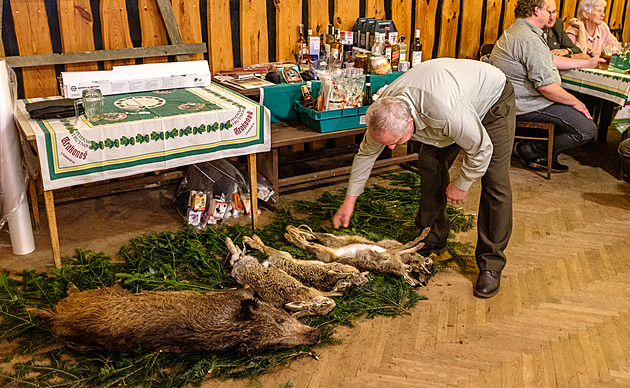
[485, 49]
[617, 32]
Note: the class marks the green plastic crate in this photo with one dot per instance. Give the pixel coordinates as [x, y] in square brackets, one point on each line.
[332, 120]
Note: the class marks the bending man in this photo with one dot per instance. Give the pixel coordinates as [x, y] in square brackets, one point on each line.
[448, 105]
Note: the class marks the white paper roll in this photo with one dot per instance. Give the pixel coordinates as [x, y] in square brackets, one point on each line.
[12, 177]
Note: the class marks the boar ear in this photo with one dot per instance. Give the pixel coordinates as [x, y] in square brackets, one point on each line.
[249, 306]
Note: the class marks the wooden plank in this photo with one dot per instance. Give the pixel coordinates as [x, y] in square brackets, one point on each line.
[52, 225]
[568, 10]
[346, 13]
[286, 134]
[426, 25]
[75, 26]
[471, 28]
[254, 40]
[616, 14]
[152, 27]
[219, 36]
[288, 17]
[490, 29]
[100, 188]
[509, 17]
[170, 23]
[375, 9]
[115, 30]
[253, 188]
[318, 16]
[187, 17]
[448, 30]
[33, 37]
[342, 171]
[103, 55]
[401, 11]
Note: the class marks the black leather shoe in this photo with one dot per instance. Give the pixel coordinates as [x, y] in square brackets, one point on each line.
[487, 284]
[518, 149]
[541, 164]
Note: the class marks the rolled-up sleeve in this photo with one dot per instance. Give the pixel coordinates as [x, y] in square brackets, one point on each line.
[538, 69]
[369, 150]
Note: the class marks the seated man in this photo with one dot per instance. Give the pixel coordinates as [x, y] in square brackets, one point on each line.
[521, 53]
[558, 40]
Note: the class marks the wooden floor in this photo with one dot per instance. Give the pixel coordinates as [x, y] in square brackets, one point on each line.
[562, 318]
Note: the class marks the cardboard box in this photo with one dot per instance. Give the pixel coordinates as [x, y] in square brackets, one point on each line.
[137, 78]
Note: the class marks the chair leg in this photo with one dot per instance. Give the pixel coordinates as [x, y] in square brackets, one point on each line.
[549, 152]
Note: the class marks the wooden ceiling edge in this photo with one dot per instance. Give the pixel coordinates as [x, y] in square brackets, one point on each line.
[105, 55]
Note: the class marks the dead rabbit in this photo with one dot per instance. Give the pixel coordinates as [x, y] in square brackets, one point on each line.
[384, 256]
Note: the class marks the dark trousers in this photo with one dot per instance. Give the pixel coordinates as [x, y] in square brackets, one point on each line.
[572, 128]
[494, 222]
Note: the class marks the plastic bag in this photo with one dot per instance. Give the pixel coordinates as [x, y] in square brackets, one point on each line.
[211, 192]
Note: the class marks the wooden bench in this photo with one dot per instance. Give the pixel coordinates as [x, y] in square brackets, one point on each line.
[281, 168]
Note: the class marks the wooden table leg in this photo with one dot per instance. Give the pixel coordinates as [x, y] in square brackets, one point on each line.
[253, 188]
[34, 205]
[605, 120]
[52, 225]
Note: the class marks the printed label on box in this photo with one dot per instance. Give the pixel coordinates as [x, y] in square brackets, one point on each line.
[362, 120]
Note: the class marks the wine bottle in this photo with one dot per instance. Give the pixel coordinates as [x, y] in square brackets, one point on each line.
[395, 54]
[307, 99]
[300, 46]
[403, 49]
[367, 92]
[416, 50]
[387, 46]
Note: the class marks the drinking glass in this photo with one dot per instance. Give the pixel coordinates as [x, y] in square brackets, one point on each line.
[92, 100]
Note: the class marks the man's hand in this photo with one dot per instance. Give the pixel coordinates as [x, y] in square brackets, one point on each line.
[594, 62]
[342, 217]
[455, 196]
[580, 56]
[579, 106]
[560, 52]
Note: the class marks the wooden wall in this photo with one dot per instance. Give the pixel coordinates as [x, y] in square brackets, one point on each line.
[240, 33]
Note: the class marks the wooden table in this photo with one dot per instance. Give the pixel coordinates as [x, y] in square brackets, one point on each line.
[611, 86]
[296, 133]
[29, 130]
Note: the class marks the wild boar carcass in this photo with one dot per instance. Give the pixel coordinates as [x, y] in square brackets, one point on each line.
[173, 321]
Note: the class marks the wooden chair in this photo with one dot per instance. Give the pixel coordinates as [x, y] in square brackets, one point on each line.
[537, 131]
[617, 32]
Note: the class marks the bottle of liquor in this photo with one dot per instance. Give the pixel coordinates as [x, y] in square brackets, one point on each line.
[377, 49]
[330, 38]
[300, 46]
[416, 50]
[395, 55]
[403, 49]
[387, 46]
[308, 42]
[307, 99]
[367, 92]
[337, 44]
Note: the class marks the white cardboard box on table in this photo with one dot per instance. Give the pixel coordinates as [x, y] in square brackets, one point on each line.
[137, 78]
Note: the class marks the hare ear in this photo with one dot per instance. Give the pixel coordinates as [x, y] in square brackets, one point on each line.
[412, 249]
[423, 235]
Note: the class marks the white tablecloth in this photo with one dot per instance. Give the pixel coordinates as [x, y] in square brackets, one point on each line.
[164, 134]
